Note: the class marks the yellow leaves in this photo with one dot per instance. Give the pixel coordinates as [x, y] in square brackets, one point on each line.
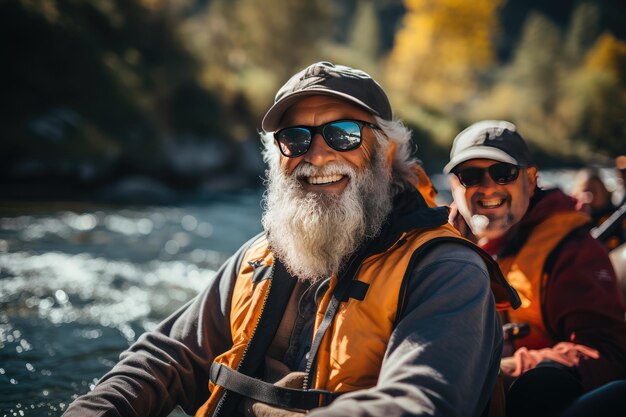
[165, 4]
[608, 54]
[440, 48]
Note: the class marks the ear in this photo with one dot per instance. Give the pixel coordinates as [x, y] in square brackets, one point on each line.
[391, 153]
[531, 173]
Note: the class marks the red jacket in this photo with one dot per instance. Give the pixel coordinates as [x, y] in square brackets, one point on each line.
[582, 302]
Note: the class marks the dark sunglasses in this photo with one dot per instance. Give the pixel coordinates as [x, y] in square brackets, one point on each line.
[502, 173]
[340, 135]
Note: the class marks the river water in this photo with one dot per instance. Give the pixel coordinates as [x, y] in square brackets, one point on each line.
[79, 284]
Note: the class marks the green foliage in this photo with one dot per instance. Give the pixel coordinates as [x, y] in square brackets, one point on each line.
[97, 82]
[362, 47]
[582, 33]
[116, 83]
[249, 47]
[364, 33]
[534, 66]
[564, 89]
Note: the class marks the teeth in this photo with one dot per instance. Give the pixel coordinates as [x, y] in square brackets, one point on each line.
[496, 202]
[326, 179]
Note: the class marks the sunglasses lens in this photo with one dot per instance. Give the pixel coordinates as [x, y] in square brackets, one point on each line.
[294, 141]
[342, 135]
[503, 173]
[470, 177]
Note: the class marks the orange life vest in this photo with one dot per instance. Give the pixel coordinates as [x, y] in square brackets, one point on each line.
[420, 180]
[352, 350]
[525, 271]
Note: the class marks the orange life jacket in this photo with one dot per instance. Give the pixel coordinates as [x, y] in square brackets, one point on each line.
[525, 271]
[420, 180]
[352, 350]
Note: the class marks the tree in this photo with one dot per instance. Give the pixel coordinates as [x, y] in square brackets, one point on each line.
[535, 65]
[96, 88]
[582, 32]
[364, 32]
[440, 49]
[603, 121]
[566, 93]
[250, 47]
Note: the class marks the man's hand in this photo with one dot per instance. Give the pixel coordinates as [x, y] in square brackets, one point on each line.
[456, 220]
[259, 409]
[566, 353]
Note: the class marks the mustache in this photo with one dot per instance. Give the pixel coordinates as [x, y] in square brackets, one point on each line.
[306, 169]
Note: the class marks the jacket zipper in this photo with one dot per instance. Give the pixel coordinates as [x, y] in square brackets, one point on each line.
[308, 377]
[243, 355]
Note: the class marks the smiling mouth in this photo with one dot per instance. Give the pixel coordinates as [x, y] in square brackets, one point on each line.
[491, 203]
[323, 180]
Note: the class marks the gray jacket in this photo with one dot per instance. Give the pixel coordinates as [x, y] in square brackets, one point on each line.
[442, 359]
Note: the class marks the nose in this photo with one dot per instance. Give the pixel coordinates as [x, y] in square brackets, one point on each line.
[486, 181]
[319, 153]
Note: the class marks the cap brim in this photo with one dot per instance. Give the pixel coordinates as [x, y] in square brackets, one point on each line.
[272, 118]
[479, 152]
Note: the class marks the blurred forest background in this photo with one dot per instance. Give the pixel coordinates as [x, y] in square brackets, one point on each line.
[106, 99]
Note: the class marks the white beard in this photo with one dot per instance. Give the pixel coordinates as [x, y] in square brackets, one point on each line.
[314, 233]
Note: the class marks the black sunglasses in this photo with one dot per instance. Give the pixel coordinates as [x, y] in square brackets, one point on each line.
[340, 135]
[502, 173]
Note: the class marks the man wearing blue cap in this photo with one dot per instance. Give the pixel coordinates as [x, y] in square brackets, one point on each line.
[564, 277]
[358, 299]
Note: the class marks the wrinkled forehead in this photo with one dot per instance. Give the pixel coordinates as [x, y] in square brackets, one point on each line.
[319, 109]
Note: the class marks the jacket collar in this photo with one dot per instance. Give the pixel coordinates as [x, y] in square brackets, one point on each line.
[409, 212]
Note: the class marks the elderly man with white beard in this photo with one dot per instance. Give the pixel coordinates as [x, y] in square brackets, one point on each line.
[357, 299]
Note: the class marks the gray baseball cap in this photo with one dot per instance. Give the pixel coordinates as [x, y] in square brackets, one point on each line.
[489, 139]
[324, 78]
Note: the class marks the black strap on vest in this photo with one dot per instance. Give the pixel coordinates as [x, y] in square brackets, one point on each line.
[340, 292]
[240, 382]
[268, 393]
[253, 357]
